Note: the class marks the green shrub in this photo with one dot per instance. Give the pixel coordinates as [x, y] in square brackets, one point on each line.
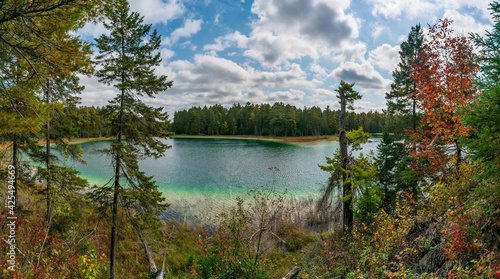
[294, 237]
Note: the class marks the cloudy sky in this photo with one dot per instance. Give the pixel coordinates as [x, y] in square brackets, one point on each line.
[290, 51]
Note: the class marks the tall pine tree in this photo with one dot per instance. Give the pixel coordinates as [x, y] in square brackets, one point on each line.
[128, 62]
[400, 101]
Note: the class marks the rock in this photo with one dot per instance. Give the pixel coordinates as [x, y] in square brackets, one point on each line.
[431, 262]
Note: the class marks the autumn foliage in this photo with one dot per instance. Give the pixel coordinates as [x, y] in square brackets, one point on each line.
[444, 85]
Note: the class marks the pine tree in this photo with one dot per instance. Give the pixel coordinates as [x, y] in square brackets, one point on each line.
[341, 164]
[57, 93]
[27, 28]
[347, 96]
[38, 40]
[388, 160]
[128, 63]
[484, 114]
[22, 113]
[400, 101]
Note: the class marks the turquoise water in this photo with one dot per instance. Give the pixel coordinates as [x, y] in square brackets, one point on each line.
[224, 166]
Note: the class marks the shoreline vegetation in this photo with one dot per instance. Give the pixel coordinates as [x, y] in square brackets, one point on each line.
[305, 140]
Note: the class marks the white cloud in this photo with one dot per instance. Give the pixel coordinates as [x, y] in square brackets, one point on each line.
[190, 28]
[291, 96]
[223, 42]
[365, 106]
[96, 93]
[272, 50]
[481, 5]
[210, 80]
[394, 8]
[386, 57]
[219, 76]
[324, 97]
[154, 11]
[364, 75]
[351, 53]
[93, 30]
[378, 30]
[158, 11]
[288, 30]
[166, 54]
[428, 8]
[317, 69]
[464, 24]
[219, 45]
[402, 38]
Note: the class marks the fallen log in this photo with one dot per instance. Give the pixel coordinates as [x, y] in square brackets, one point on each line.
[293, 273]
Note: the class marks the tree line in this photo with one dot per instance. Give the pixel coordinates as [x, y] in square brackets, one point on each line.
[277, 119]
[259, 120]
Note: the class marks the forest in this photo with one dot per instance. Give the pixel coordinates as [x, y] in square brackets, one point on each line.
[258, 120]
[426, 204]
[272, 120]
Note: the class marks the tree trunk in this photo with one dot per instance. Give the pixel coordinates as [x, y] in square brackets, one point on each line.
[153, 270]
[293, 273]
[112, 254]
[114, 217]
[347, 211]
[414, 115]
[152, 266]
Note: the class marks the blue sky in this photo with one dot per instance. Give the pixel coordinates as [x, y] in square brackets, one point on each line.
[290, 51]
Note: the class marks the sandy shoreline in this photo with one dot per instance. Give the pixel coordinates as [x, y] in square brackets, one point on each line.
[288, 140]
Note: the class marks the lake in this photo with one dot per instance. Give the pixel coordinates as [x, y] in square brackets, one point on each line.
[195, 171]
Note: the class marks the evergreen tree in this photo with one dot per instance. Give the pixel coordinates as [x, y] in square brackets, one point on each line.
[21, 114]
[389, 155]
[400, 101]
[341, 164]
[484, 114]
[28, 28]
[57, 93]
[347, 96]
[38, 46]
[128, 63]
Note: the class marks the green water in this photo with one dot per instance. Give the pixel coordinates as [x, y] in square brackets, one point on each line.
[221, 166]
[196, 171]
